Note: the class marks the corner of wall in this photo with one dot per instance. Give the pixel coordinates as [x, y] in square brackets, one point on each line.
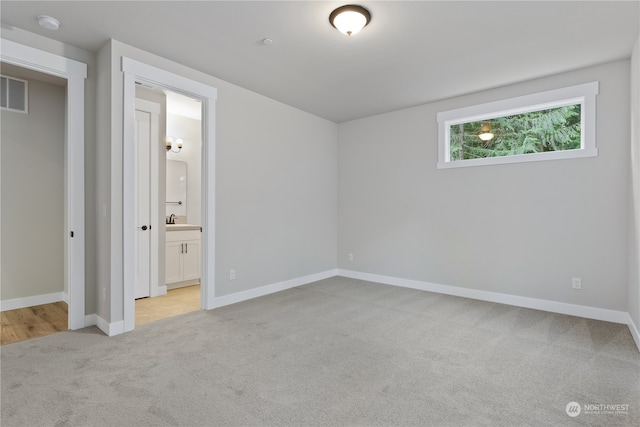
[634, 212]
[103, 180]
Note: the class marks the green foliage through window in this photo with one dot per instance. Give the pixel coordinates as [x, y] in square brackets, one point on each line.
[555, 129]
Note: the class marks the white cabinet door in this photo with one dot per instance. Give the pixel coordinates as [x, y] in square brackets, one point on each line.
[173, 270]
[182, 262]
[191, 260]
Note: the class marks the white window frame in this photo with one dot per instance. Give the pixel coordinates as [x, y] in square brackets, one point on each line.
[583, 94]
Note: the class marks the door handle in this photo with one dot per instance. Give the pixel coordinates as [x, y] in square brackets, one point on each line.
[186, 248]
[181, 248]
[144, 227]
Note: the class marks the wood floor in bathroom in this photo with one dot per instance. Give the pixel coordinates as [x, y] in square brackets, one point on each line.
[40, 320]
[175, 302]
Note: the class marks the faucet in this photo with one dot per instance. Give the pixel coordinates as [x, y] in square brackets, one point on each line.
[172, 219]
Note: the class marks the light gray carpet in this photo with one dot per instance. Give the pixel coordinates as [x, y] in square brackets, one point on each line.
[336, 352]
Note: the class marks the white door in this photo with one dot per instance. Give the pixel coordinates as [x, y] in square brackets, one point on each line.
[143, 206]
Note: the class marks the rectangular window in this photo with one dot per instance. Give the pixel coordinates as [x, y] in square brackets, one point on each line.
[556, 124]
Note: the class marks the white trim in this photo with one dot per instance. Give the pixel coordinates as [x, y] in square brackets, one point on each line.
[157, 291]
[12, 304]
[272, 288]
[144, 73]
[633, 328]
[75, 73]
[584, 94]
[518, 301]
[110, 329]
[90, 320]
[148, 106]
[178, 285]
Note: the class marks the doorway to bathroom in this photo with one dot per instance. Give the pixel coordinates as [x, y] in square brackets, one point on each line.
[136, 74]
[168, 208]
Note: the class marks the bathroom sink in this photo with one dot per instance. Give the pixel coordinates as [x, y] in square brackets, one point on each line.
[182, 227]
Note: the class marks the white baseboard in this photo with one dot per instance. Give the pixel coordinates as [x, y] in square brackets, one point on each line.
[526, 302]
[110, 329]
[90, 320]
[177, 285]
[613, 316]
[633, 328]
[157, 291]
[65, 297]
[13, 304]
[272, 288]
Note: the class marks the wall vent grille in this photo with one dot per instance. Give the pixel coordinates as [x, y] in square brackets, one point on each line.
[13, 94]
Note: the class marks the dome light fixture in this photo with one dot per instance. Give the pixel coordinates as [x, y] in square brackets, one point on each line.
[350, 19]
[48, 22]
[486, 134]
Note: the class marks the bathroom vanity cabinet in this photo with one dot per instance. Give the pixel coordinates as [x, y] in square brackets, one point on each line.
[182, 264]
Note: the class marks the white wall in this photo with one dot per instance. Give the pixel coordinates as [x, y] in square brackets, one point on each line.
[521, 229]
[634, 216]
[33, 194]
[275, 184]
[190, 131]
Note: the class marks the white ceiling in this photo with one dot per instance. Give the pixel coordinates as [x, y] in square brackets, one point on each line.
[411, 53]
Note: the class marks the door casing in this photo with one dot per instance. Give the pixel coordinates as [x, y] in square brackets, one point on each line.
[135, 71]
[75, 73]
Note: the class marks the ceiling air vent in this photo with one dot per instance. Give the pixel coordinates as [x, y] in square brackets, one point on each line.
[13, 94]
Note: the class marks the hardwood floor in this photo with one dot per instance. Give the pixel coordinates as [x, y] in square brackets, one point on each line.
[175, 302]
[40, 320]
[32, 322]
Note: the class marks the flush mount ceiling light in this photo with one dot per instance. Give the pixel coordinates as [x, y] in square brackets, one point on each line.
[48, 22]
[486, 134]
[350, 19]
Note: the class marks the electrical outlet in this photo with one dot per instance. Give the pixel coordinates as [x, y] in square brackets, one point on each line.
[350, 257]
[576, 283]
[232, 275]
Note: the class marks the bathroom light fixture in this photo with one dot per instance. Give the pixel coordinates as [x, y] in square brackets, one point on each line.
[174, 146]
[350, 19]
[48, 22]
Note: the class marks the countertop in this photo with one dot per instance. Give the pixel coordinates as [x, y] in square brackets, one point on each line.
[182, 227]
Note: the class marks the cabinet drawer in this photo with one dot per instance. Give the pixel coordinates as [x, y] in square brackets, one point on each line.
[175, 236]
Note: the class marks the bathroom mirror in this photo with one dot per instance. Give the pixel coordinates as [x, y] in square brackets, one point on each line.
[176, 188]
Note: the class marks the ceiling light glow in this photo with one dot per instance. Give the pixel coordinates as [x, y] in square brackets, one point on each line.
[350, 19]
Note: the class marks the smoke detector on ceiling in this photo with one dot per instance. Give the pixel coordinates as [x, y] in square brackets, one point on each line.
[48, 22]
